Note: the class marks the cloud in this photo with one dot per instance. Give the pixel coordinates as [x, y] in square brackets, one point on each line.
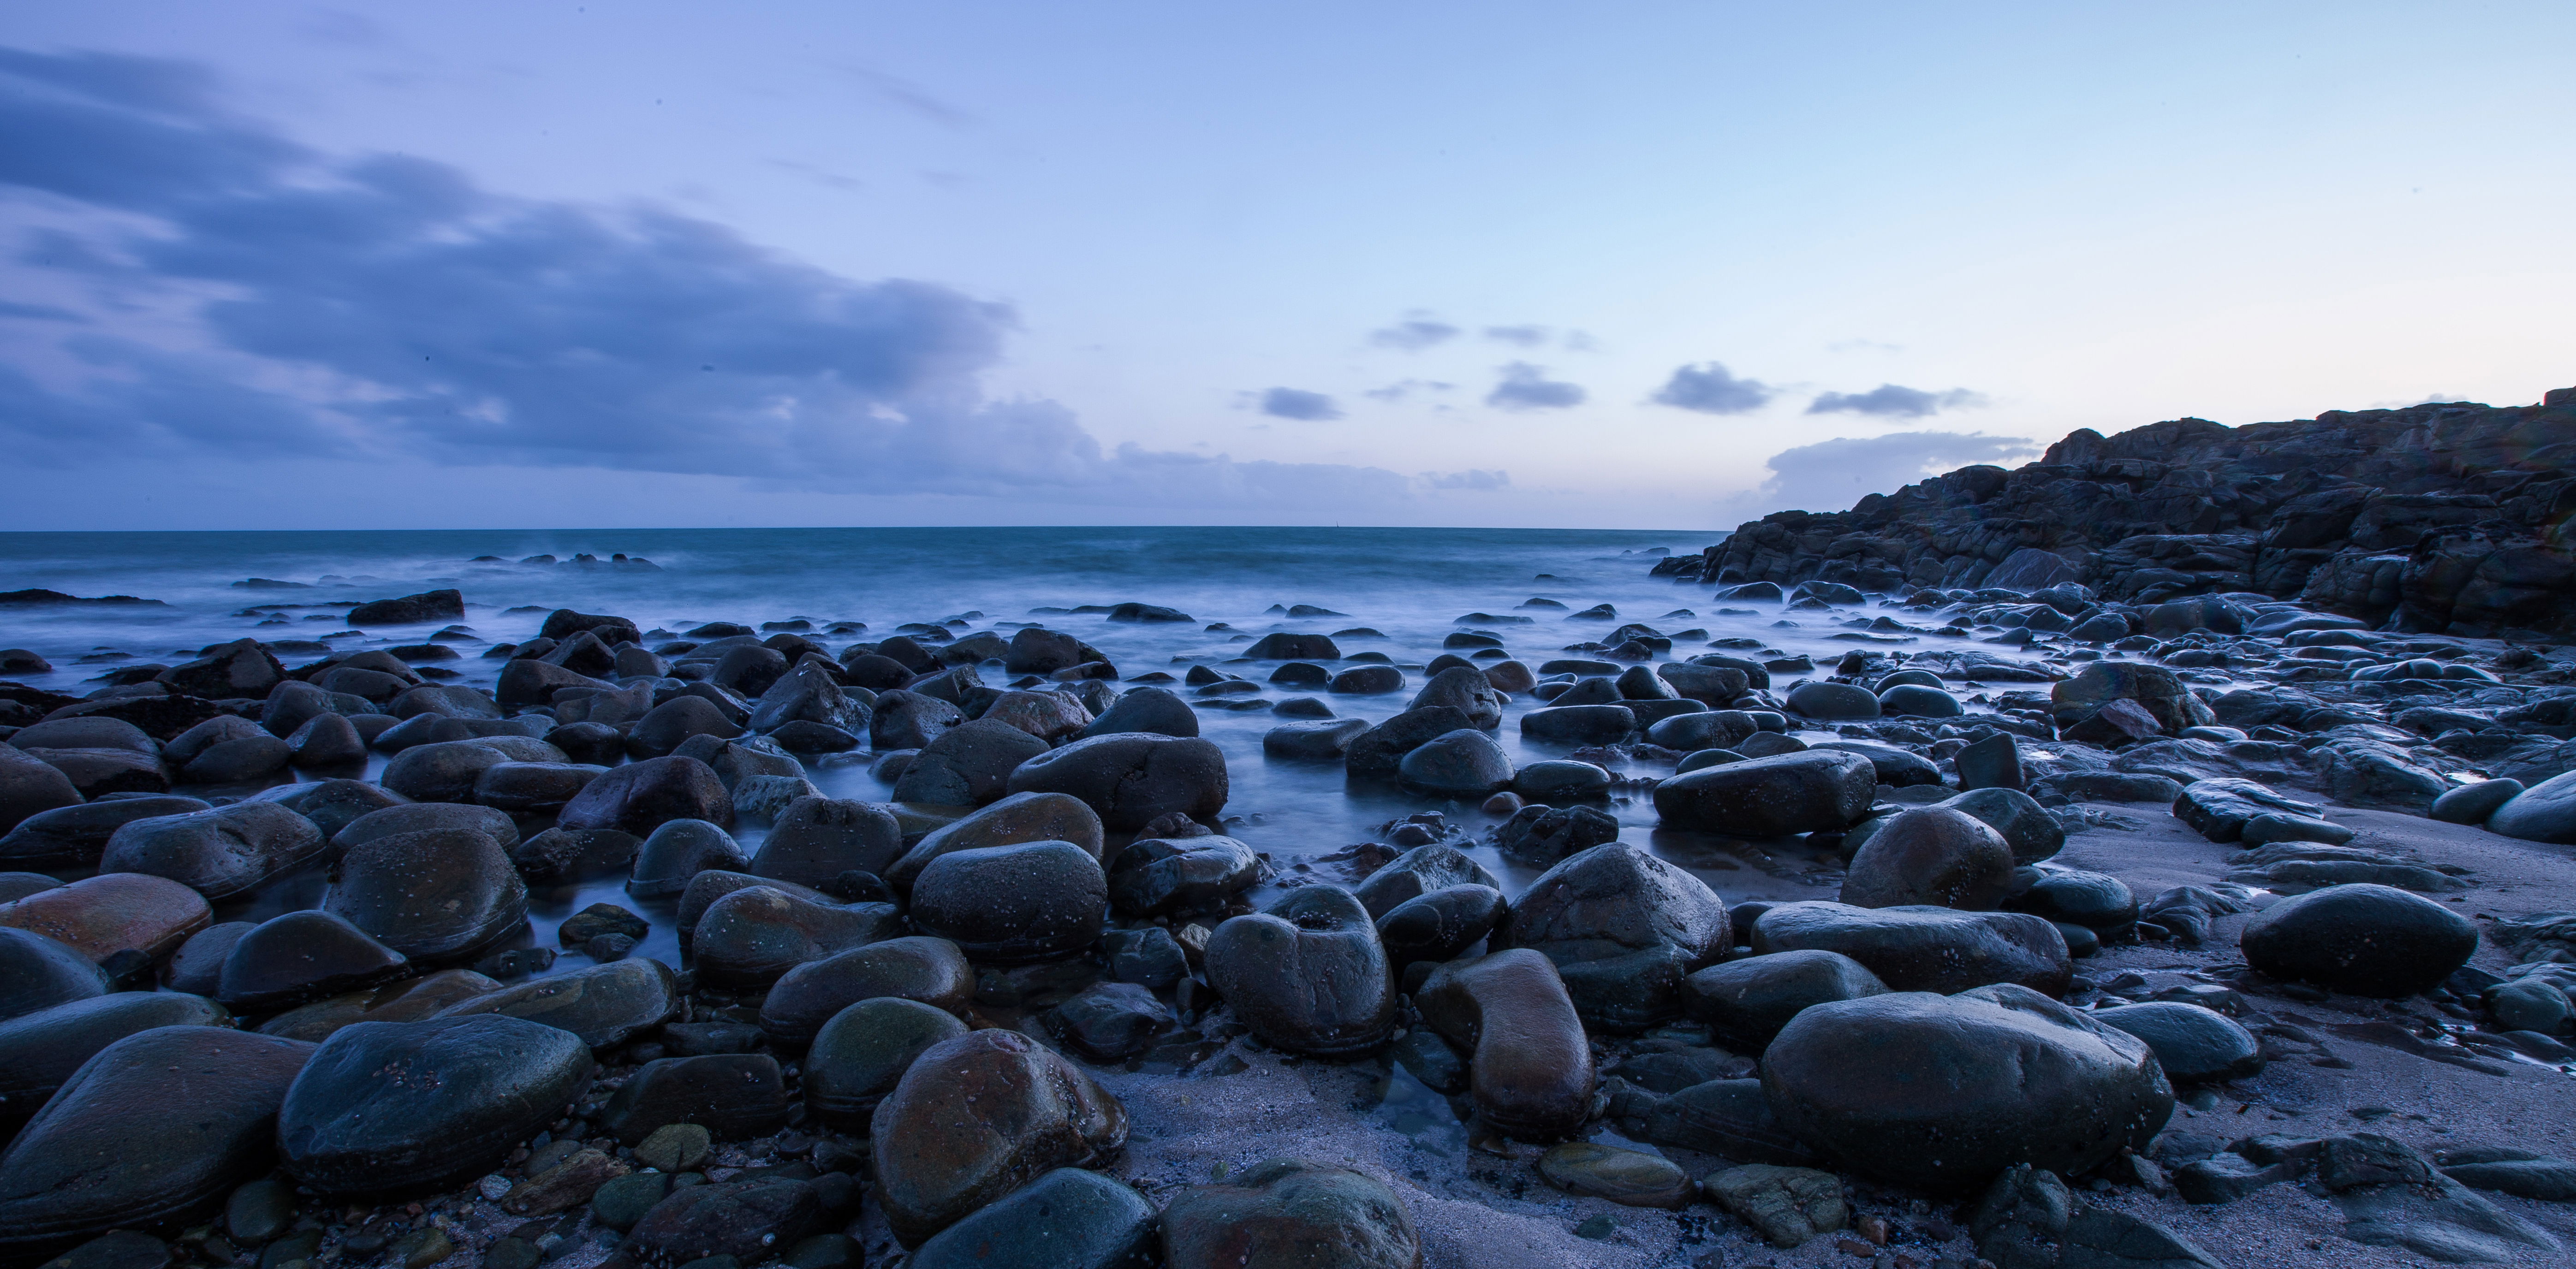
[1402, 388]
[1709, 389]
[37, 312]
[1832, 475]
[1416, 332]
[1527, 387]
[1893, 401]
[388, 309]
[1473, 478]
[1525, 336]
[1293, 403]
[911, 97]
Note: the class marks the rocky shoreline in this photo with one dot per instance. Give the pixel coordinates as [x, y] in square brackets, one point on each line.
[2205, 940]
[2439, 518]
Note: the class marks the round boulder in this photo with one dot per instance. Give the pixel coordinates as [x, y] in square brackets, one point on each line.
[2364, 939]
[1132, 779]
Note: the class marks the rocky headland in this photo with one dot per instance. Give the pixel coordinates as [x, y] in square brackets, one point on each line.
[2431, 519]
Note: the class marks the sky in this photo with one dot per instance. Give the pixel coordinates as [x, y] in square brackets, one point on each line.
[1672, 266]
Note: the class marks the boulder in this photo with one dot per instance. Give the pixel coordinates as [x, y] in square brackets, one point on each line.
[397, 1106]
[1067, 1219]
[439, 897]
[1308, 975]
[1021, 817]
[750, 936]
[1162, 875]
[1013, 904]
[2193, 1044]
[1940, 1093]
[859, 1056]
[300, 956]
[642, 796]
[1746, 1002]
[1922, 948]
[1532, 1066]
[1930, 856]
[2368, 940]
[817, 839]
[1623, 928]
[1146, 709]
[604, 1005]
[1132, 779]
[113, 912]
[968, 765]
[219, 853]
[40, 1051]
[1288, 1213]
[1466, 763]
[74, 835]
[1770, 797]
[930, 970]
[977, 1117]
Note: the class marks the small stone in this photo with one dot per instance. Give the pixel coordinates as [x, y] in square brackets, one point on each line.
[624, 1200]
[260, 1211]
[1631, 1178]
[1787, 1205]
[421, 1248]
[675, 1147]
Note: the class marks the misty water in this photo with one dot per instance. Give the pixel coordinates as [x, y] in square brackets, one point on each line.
[1410, 584]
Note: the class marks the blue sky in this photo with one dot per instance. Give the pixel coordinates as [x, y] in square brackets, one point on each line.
[1653, 265]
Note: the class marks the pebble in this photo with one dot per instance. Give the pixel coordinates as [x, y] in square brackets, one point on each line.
[1631, 1178]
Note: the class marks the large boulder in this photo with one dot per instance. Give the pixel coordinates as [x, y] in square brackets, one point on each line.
[968, 765]
[1923, 948]
[2545, 812]
[1011, 904]
[1021, 817]
[1463, 688]
[642, 796]
[1778, 796]
[38, 973]
[410, 610]
[817, 839]
[219, 853]
[1531, 1067]
[113, 912]
[115, 1148]
[1940, 1093]
[400, 1106]
[1067, 1219]
[1307, 975]
[1466, 763]
[439, 896]
[2364, 939]
[976, 1118]
[930, 970]
[1930, 856]
[1132, 779]
[1746, 1002]
[74, 835]
[231, 671]
[1623, 928]
[2155, 689]
[1147, 709]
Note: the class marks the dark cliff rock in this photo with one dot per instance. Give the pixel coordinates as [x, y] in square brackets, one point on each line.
[2449, 517]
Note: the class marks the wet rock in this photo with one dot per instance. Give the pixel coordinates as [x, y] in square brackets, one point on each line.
[1132, 779]
[1729, 1118]
[858, 1056]
[751, 936]
[197, 968]
[1162, 875]
[968, 765]
[910, 720]
[2108, 786]
[560, 855]
[2096, 901]
[72, 836]
[1531, 1067]
[1787, 1206]
[1067, 1219]
[817, 839]
[300, 956]
[1418, 872]
[1918, 1090]
[1833, 701]
[218, 853]
[1465, 763]
[114, 1148]
[980, 1116]
[740, 1222]
[330, 804]
[1307, 975]
[2466, 804]
[403, 1000]
[1042, 715]
[1146, 709]
[388, 1106]
[438, 897]
[1746, 1002]
[569, 1182]
[930, 970]
[1283, 1213]
[809, 693]
[1930, 856]
[680, 849]
[1702, 729]
[1539, 836]
[103, 915]
[1623, 928]
[2545, 812]
[2368, 940]
[232, 671]
[1440, 925]
[1925, 949]
[2026, 826]
[533, 788]
[642, 796]
[1579, 724]
[2153, 688]
[604, 1005]
[1770, 797]
[2393, 1197]
[40, 1051]
[1631, 1178]
[1009, 905]
[424, 816]
[1111, 1022]
[732, 1095]
[2027, 1217]
[229, 750]
[1465, 689]
[444, 771]
[2218, 809]
[325, 741]
[2194, 1045]
[1367, 680]
[1021, 817]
